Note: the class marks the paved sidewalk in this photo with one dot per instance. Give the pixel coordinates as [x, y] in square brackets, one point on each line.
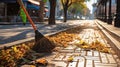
[81, 57]
[110, 28]
[11, 33]
[113, 35]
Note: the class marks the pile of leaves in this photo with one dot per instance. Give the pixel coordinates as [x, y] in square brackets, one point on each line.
[95, 45]
[22, 53]
[64, 38]
[9, 57]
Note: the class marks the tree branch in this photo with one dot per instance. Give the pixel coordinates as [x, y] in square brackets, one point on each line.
[70, 3]
[62, 3]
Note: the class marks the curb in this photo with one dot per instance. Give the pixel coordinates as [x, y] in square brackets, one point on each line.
[8, 45]
[113, 42]
[115, 35]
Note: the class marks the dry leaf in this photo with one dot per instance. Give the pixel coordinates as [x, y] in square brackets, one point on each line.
[70, 59]
[32, 66]
[42, 61]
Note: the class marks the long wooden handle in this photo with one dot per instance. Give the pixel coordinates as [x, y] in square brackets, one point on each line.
[28, 16]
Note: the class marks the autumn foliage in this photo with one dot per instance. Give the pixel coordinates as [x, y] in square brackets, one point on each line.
[10, 57]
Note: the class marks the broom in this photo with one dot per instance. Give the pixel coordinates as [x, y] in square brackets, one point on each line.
[42, 44]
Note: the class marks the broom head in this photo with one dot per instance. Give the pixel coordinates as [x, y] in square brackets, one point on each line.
[42, 44]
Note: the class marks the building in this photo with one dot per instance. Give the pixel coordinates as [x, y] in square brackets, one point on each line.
[10, 10]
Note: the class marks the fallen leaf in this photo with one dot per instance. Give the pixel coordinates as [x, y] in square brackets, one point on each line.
[32, 66]
[70, 59]
[42, 61]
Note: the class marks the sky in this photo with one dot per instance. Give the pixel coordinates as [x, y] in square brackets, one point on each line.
[89, 5]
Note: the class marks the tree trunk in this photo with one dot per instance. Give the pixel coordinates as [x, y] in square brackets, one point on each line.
[65, 14]
[105, 19]
[52, 11]
[100, 12]
[117, 19]
[41, 12]
[109, 17]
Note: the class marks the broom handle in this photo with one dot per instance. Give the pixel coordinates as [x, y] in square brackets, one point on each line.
[28, 16]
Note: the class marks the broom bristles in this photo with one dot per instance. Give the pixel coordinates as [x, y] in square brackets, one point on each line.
[42, 44]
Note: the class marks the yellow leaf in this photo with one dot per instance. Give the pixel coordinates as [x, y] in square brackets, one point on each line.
[81, 42]
[106, 50]
[42, 61]
[15, 49]
[85, 46]
[70, 59]
[32, 66]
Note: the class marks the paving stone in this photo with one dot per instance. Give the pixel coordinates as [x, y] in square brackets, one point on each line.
[60, 57]
[66, 57]
[97, 61]
[70, 47]
[104, 58]
[49, 65]
[78, 50]
[110, 58]
[81, 63]
[105, 65]
[83, 53]
[96, 53]
[66, 51]
[79, 58]
[89, 53]
[72, 64]
[89, 63]
[60, 64]
[92, 58]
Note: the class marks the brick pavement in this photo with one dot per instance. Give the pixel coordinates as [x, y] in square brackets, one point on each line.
[111, 29]
[84, 58]
[112, 34]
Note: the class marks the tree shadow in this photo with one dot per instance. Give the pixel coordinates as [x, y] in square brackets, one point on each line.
[20, 36]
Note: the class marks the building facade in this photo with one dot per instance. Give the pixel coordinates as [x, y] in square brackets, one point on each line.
[10, 11]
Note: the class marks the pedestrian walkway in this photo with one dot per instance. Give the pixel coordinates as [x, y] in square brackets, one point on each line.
[110, 28]
[13, 33]
[113, 35]
[82, 57]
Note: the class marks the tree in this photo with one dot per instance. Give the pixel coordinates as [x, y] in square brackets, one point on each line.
[41, 11]
[66, 4]
[51, 19]
[77, 8]
[52, 11]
